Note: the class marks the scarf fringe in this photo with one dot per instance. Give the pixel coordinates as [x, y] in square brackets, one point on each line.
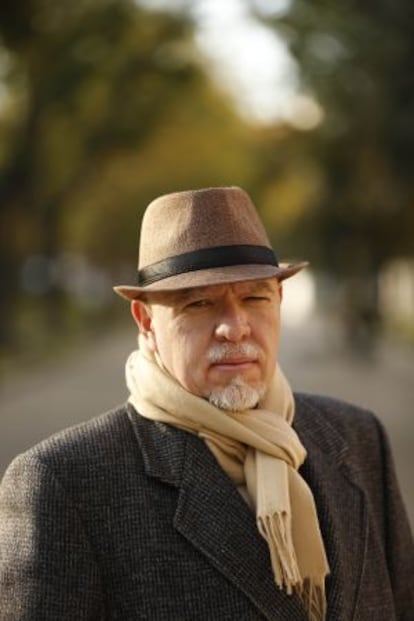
[276, 530]
[313, 597]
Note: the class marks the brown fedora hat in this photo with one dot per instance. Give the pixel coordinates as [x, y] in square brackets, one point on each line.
[203, 237]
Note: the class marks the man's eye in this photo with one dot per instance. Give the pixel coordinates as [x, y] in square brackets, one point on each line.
[198, 303]
[256, 298]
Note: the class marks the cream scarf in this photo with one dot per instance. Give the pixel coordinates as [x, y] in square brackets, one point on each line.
[257, 448]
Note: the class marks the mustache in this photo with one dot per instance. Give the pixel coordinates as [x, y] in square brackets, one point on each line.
[225, 351]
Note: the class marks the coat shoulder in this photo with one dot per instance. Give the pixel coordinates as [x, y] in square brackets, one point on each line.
[91, 446]
[347, 418]
[340, 428]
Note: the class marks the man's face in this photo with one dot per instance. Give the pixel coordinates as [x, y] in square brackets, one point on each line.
[219, 342]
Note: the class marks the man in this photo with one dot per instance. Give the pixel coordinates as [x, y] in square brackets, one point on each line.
[214, 493]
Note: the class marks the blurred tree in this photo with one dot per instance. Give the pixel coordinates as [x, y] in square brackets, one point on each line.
[357, 59]
[198, 142]
[98, 98]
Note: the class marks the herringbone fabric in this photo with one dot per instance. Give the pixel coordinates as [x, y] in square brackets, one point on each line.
[126, 519]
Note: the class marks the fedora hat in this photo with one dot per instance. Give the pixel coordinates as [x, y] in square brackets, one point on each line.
[203, 237]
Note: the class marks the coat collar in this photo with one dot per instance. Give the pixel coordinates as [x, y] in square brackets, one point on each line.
[213, 517]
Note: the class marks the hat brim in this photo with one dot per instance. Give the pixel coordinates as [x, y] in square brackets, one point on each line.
[212, 276]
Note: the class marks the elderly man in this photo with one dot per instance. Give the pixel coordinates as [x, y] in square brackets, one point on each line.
[214, 493]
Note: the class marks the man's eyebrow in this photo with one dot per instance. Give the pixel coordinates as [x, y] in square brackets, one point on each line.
[254, 286]
[261, 285]
[186, 294]
[183, 295]
[177, 296]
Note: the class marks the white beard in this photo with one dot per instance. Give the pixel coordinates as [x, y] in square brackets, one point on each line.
[237, 396]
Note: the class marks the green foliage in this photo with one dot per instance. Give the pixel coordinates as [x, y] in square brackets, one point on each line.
[357, 60]
[185, 150]
[103, 105]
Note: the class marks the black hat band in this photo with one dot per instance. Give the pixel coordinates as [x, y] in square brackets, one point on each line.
[206, 258]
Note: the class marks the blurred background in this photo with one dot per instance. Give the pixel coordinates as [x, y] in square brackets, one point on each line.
[105, 104]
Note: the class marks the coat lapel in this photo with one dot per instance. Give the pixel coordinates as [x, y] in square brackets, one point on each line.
[341, 505]
[213, 517]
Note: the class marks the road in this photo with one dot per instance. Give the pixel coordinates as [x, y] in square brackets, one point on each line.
[37, 402]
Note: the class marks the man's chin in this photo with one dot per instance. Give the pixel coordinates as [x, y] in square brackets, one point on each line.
[237, 396]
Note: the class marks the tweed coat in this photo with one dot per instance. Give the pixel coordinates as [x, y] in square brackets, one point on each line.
[126, 519]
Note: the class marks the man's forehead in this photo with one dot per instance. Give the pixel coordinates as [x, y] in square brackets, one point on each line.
[244, 285]
[249, 286]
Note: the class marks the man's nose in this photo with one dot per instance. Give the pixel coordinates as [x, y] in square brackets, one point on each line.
[233, 324]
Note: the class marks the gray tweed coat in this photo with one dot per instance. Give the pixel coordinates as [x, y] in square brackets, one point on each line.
[122, 518]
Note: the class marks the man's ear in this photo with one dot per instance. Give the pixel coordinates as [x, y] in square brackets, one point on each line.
[280, 287]
[141, 315]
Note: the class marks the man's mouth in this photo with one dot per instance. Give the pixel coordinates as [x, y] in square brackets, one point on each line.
[232, 364]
